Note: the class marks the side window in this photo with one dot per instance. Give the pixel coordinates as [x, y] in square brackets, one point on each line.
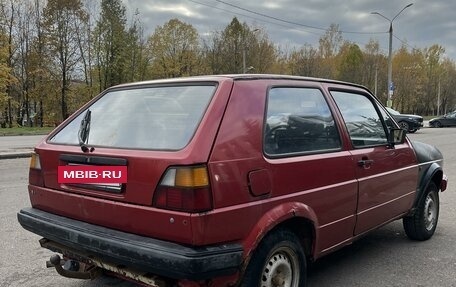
[388, 120]
[298, 120]
[362, 120]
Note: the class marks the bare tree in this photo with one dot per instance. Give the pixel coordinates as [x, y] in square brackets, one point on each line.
[62, 24]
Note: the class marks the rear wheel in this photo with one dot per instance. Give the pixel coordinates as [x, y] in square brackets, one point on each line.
[421, 226]
[279, 261]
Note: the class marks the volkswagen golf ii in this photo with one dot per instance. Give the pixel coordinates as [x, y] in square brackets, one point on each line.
[225, 180]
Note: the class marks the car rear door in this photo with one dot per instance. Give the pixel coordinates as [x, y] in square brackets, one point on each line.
[387, 175]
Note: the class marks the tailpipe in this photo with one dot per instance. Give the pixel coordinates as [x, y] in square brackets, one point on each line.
[72, 268]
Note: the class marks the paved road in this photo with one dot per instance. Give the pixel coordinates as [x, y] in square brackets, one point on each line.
[383, 258]
[19, 142]
[17, 146]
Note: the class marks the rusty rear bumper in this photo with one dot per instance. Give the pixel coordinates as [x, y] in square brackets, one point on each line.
[145, 254]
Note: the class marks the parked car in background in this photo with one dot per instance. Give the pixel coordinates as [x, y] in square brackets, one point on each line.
[446, 120]
[410, 123]
[234, 180]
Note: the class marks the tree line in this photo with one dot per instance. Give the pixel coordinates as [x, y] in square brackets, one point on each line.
[55, 55]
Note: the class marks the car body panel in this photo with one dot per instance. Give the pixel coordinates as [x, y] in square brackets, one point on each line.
[334, 198]
[446, 120]
[430, 161]
[234, 157]
[387, 186]
[145, 169]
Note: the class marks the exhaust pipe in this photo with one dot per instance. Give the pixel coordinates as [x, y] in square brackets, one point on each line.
[72, 268]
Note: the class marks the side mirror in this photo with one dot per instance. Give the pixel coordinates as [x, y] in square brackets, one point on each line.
[396, 136]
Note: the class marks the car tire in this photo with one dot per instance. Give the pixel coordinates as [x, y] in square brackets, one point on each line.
[412, 131]
[438, 124]
[279, 260]
[405, 126]
[422, 224]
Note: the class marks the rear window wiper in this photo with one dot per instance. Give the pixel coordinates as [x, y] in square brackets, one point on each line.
[84, 130]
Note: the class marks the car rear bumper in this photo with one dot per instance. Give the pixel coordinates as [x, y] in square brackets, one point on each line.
[159, 257]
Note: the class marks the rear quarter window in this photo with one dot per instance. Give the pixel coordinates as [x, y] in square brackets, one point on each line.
[298, 120]
[158, 118]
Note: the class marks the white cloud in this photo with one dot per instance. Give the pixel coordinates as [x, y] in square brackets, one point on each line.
[178, 10]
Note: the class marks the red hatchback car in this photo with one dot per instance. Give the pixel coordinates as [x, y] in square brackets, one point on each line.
[234, 180]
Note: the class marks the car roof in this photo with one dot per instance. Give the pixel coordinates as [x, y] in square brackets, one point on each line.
[238, 77]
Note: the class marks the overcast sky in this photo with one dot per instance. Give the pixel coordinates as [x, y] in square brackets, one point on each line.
[425, 23]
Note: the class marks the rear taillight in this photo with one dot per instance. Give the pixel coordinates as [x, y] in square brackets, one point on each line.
[35, 175]
[35, 161]
[184, 189]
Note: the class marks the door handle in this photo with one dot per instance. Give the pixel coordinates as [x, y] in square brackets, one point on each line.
[365, 162]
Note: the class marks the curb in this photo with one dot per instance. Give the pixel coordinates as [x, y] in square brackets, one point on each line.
[13, 155]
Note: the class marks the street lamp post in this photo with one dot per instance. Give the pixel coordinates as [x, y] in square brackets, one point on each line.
[390, 87]
[244, 48]
[244, 69]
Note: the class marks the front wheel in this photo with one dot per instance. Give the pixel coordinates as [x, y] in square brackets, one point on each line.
[421, 226]
[405, 126]
[279, 261]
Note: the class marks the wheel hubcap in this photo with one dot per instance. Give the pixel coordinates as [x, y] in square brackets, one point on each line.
[281, 270]
[430, 212]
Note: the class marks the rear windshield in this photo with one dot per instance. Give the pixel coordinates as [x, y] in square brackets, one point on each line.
[159, 118]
